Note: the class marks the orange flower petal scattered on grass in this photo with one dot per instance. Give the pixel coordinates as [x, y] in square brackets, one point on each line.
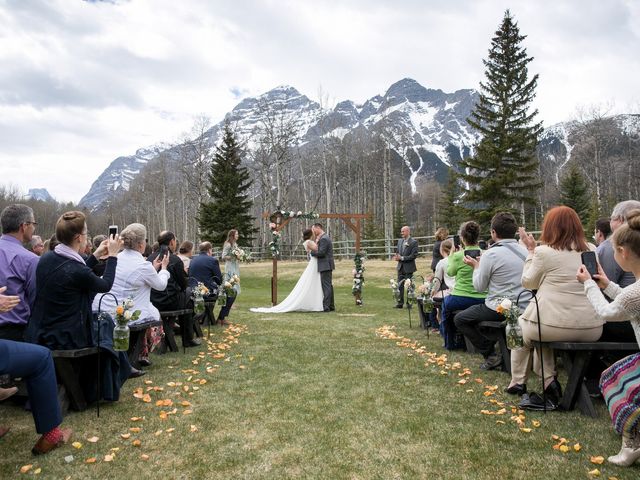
[125, 436]
[148, 382]
[90, 460]
[93, 439]
[577, 447]
[108, 458]
[525, 430]
[169, 430]
[135, 429]
[136, 419]
[595, 472]
[76, 445]
[194, 428]
[597, 460]
[25, 468]
[37, 471]
[535, 423]
[136, 443]
[187, 412]
[563, 448]
[158, 433]
[144, 457]
[146, 398]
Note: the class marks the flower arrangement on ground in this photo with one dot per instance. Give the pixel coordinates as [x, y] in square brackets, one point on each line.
[358, 277]
[123, 315]
[511, 312]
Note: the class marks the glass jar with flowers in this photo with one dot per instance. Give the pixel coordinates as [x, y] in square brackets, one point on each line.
[123, 315]
[511, 312]
[198, 294]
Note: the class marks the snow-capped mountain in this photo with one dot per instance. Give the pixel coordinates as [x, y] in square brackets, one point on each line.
[41, 194]
[429, 126]
[118, 176]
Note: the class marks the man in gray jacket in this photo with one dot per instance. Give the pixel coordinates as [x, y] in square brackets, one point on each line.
[499, 272]
[326, 266]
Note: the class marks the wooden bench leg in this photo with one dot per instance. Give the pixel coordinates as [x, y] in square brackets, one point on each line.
[69, 379]
[577, 367]
[136, 344]
[196, 326]
[169, 336]
[505, 352]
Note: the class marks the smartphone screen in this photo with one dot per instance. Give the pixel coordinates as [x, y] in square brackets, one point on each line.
[589, 261]
[472, 253]
[164, 250]
[113, 230]
[456, 241]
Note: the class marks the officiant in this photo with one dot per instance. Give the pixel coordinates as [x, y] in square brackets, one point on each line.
[406, 254]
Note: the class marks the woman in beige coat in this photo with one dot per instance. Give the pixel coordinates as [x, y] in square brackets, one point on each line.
[565, 312]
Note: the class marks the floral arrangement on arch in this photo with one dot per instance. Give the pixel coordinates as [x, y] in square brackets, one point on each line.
[298, 214]
[358, 276]
[274, 244]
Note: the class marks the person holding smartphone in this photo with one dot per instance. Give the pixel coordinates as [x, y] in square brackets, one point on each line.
[565, 313]
[498, 272]
[620, 383]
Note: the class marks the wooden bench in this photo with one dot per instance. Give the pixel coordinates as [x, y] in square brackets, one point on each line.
[168, 319]
[136, 339]
[576, 356]
[495, 331]
[67, 374]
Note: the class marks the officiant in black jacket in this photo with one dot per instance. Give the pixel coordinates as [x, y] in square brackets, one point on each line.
[406, 254]
[326, 265]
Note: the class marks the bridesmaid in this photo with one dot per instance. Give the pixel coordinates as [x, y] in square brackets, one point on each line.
[231, 268]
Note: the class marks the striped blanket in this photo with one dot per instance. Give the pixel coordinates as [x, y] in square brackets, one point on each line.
[620, 386]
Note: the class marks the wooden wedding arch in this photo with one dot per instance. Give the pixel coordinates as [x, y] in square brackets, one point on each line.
[352, 220]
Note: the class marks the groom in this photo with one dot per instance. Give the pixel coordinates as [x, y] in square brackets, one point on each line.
[324, 254]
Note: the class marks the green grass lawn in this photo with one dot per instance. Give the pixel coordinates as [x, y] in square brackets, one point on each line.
[317, 396]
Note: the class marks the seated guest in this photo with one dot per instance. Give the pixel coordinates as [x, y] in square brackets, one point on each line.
[463, 295]
[617, 331]
[62, 318]
[620, 384]
[176, 296]
[205, 268]
[440, 236]
[17, 268]
[565, 311]
[99, 267]
[602, 230]
[444, 283]
[134, 278]
[36, 245]
[185, 252]
[35, 365]
[499, 272]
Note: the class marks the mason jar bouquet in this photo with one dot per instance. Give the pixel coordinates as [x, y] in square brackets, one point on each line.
[395, 289]
[123, 315]
[410, 289]
[198, 294]
[425, 294]
[227, 289]
[511, 312]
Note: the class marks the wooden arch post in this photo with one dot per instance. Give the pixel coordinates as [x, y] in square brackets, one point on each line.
[352, 220]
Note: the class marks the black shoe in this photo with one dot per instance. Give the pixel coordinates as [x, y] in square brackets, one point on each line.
[144, 362]
[326, 310]
[398, 305]
[135, 373]
[196, 342]
[491, 362]
[517, 389]
[536, 403]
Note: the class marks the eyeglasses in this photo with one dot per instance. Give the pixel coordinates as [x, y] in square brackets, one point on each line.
[31, 223]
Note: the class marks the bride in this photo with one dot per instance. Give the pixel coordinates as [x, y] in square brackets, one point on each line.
[306, 296]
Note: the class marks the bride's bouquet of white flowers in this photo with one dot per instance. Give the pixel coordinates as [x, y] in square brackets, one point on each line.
[240, 255]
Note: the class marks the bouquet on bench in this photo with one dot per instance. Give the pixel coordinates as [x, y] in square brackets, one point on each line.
[511, 312]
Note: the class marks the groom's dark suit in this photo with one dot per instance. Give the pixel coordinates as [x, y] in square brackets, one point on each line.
[324, 254]
[408, 251]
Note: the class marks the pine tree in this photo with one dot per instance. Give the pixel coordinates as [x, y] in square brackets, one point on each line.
[574, 193]
[229, 206]
[451, 213]
[502, 175]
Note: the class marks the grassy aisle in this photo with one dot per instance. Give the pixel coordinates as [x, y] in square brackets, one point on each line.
[317, 396]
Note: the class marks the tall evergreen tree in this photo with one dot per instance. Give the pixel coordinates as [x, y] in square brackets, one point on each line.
[451, 214]
[399, 219]
[574, 193]
[230, 205]
[502, 175]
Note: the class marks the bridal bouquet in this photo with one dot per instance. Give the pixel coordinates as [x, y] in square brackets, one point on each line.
[240, 255]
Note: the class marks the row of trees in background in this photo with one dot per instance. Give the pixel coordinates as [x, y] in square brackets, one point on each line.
[200, 191]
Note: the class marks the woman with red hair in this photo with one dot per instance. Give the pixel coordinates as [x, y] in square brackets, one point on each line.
[565, 312]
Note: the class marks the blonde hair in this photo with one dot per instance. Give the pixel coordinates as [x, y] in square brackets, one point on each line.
[133, 235]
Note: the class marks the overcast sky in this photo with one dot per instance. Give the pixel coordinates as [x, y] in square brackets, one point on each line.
[83, 82]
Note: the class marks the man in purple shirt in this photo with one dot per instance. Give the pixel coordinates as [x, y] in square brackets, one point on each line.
[17, 268]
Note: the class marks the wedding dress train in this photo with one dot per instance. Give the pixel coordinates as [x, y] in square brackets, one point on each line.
[306, 296]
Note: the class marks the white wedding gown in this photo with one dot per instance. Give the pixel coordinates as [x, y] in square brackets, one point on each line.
[306, 296]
